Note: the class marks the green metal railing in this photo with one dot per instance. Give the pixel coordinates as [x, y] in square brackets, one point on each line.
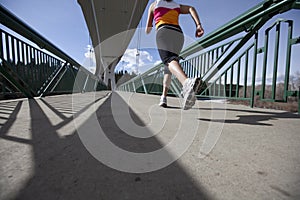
[38, 68]
[228, 59]
[231, 84]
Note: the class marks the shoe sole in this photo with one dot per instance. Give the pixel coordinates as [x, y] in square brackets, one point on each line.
[189, 102]
[164, 105]
[197, 86]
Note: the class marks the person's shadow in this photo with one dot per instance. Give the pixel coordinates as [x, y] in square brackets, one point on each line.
[251, 117]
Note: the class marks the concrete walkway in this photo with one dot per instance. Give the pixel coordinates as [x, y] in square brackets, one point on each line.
[50, 149]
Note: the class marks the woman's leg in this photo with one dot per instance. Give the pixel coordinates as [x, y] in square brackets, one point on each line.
[176, 69]
[189, 85]
[166, 84]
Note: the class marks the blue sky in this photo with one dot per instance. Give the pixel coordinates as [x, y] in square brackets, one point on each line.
[62, 22]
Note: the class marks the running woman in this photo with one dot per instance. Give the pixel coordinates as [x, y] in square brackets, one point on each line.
[169, 40]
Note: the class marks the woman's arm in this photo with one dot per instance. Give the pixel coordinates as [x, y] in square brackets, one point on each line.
[150, 18]
[184, 9]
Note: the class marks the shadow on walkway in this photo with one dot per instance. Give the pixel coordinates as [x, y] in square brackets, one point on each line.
[64, 169]
[250, 117]
[8, 114]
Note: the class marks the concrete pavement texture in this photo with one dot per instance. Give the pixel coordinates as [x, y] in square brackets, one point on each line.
[215, 150]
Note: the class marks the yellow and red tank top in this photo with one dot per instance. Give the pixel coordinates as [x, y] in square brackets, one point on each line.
[166, 13]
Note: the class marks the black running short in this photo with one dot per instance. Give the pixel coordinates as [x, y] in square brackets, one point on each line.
[169, 41]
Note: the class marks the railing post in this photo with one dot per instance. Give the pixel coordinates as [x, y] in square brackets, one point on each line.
[144, 86]
[95, 85]
[254, 70]
[85, 83]
[276, 52]
[246, 73]
[134, 89]
[265, 60]
[288, 61]
[299, 101]
[237, 90]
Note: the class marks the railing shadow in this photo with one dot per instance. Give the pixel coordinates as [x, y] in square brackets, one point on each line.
[64, 169]
[8, 116]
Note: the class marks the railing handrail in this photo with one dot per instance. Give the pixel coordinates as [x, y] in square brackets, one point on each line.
[42, 77]
[17, 25]
[243, 22]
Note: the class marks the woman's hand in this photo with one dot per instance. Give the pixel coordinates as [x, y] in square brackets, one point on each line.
[199, 31]
[148, 30]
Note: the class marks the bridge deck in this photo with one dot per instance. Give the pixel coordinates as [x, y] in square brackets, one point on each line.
[256, 155]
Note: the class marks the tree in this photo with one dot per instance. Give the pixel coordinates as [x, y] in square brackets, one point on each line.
[295, 81]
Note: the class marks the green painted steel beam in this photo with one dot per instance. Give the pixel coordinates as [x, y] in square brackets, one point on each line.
[14, 23]
[253, 92]
[15, 80]
[17, 25]
[249, 35]
[288, 60]
[296, 5]
[244, 22]
[44, 90]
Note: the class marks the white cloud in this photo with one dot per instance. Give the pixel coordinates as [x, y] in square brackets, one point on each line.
[157, 62]
[129, 60]
[89, 54]
[90, 59]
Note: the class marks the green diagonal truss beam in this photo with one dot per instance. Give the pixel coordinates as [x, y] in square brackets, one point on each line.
[244, 22]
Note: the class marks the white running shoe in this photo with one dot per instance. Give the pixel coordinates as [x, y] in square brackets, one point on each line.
[163, 101]
[190, 86]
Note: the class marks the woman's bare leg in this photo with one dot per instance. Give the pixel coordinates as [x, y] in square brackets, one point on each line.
[166, 84]
[187, 89]
[176, 69]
